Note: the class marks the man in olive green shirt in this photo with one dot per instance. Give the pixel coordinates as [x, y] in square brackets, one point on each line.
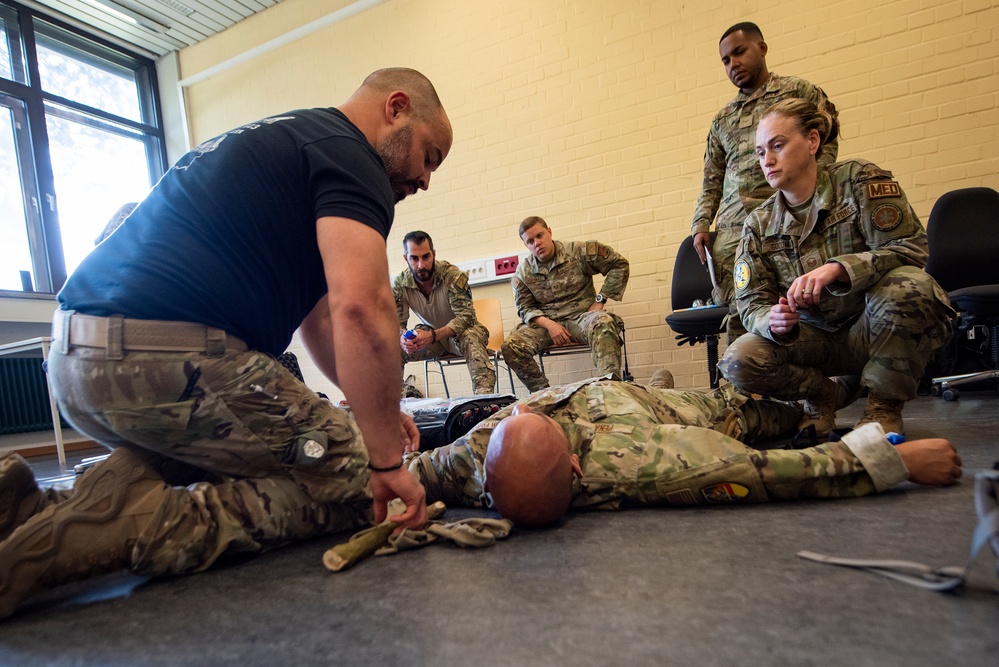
[439, 294]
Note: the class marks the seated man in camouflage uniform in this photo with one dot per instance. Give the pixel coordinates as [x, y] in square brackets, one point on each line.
[604, 444]
[438, 292]
[555, 298]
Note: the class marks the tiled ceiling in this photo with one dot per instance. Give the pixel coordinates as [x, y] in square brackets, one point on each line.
[158, 26]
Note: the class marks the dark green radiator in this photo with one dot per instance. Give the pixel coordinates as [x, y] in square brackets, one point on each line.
[24, 399]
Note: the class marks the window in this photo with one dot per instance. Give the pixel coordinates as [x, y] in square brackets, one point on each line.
[80, 135]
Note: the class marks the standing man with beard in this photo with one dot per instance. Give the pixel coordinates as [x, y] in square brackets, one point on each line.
[438, 292]
[165, 341]
[733, 181]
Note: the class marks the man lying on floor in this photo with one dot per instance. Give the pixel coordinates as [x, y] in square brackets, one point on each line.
[595, 443]
[607, 444]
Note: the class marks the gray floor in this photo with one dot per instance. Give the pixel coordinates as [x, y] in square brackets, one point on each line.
[699, 586]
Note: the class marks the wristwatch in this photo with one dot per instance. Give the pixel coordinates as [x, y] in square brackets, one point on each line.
[600, 298]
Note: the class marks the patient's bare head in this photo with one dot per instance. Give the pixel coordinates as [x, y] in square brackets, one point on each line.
[529, 468]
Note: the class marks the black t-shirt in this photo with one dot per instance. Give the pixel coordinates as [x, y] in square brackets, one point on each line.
[227, 238]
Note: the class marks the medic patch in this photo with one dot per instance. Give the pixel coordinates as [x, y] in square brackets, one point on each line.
[883, 189]
[886, 217]
[726, 492]
[742, 274]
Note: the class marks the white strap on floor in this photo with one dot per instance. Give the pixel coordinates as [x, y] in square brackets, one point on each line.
[944, 578]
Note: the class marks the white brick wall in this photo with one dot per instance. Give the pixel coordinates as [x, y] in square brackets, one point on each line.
[593, 115]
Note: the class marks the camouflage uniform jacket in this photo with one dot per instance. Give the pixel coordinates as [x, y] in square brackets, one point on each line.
[636, 447]
[733, 182]
[449, 303]
[563, 287]
[859, 217]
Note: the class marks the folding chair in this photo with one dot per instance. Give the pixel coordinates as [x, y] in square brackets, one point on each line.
[489, 314]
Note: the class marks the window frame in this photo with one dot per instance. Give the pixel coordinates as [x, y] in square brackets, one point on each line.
[45, 240]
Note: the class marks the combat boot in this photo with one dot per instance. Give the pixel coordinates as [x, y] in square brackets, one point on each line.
[885, 411]
[768, 418]
[20, 496]
[820, 408]
[851, 387]
[662, 379]
[91, 533]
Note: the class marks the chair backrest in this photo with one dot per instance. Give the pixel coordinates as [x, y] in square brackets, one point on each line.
[691, 279]
[488, 312]
[963, 238]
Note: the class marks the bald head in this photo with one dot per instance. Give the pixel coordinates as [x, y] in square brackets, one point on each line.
[529, 468]
[426, 104]
[400, 114]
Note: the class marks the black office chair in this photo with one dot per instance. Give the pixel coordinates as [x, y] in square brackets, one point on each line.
[963, 238]
[700, 324]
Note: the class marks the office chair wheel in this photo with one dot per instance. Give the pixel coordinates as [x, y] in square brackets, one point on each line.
[951, 394]
[935, 390]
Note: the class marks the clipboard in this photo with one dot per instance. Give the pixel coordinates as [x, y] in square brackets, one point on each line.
[711, 268]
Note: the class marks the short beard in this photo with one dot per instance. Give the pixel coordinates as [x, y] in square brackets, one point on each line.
[394, 152]
[430, 274]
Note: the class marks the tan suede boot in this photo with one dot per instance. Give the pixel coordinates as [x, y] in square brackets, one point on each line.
[20, 496]
[662, 379]
[820, 408]
[885, 411]
[91, 533]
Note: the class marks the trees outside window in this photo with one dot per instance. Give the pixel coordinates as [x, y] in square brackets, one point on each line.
[80, 135]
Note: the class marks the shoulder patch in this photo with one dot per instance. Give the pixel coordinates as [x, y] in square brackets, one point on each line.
[742, 274]
[591, 248]
[726, 492]
[883, 189]
[461, 280]
[886, 217]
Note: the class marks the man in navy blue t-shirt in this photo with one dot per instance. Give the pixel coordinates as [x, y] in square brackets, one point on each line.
[165, 341]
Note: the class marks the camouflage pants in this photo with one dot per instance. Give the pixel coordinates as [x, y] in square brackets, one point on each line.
[599, 329]
[650, 446]
[907, 318]
[470, 344]
[252, 458]
[723, 252]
